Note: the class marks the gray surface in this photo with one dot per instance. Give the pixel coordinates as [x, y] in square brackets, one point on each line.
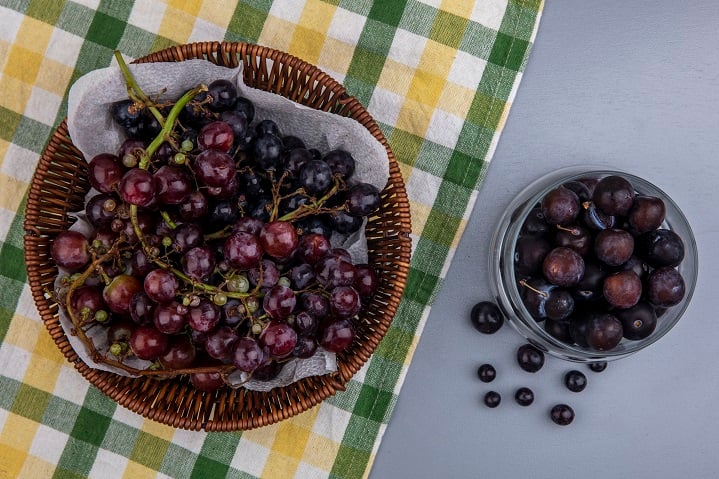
[627, 84]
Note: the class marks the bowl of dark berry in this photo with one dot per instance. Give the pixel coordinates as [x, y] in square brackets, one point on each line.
[593, 265]
[217, 267]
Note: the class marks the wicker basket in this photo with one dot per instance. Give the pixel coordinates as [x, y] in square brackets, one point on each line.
[60, 184]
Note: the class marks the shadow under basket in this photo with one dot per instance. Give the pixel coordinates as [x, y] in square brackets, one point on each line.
[60, 184]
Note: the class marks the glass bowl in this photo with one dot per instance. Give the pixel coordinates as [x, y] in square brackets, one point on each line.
[506, 284]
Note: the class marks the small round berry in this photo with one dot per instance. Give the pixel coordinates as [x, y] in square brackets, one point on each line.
[562, 414]
[575, 381]
[486, 373]
[598, 366]
[486, 317]
[492, 399]
[530, 358]
[524, 396]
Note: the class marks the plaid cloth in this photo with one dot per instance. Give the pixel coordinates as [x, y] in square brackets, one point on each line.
[438, 76]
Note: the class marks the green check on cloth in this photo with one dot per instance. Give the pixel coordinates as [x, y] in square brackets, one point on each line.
[439, 77]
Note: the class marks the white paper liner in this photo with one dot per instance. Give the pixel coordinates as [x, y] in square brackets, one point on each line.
[93, 131]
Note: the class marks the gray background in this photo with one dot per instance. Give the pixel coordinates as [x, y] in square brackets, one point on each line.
[632, 85]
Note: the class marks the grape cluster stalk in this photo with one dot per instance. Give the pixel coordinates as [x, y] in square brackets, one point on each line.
[211, 247]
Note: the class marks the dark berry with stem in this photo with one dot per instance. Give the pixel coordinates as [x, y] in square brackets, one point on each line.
[486, 317]
[222, 95]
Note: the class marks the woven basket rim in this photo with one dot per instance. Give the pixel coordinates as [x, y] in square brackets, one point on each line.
[286, 74]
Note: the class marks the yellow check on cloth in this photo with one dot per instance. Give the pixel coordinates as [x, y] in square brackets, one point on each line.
[439, 76]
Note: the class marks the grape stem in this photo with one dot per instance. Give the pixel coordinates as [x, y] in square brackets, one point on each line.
[315, 206]
[134, 90]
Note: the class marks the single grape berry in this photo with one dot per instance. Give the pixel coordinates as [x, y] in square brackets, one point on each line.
[639, 321]
[524, 396]
[560, 206]
[563, 266]
[492, 399]
[614, 195]
[598, 366]
[530, 358]
[562, 414]
[665, 287]
[486, 373]
[575, 381]
[486, 317]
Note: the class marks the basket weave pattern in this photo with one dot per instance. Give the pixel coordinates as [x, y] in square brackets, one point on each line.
[59, 187]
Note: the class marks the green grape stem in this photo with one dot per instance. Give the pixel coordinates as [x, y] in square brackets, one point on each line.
[134, 91]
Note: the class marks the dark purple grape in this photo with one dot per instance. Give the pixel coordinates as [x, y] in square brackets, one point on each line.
[302, 276]
[558, 330]
[318, 225]
[245, 106]
[341, 163]
[242, 250]
[119, 332]
[598, 366]
[137, 187]
[563, 266]
[148, 343]
[589, 288]
[214, 168]
[295, 159]
[126, 113]
[233, 312]
[366, 280]
[237, 123]
[492, 399]
[345, 223]
[486, 373]
[141, 309]
[172, 184]
[180, 354]
[524, 396]
[345, 301]
[534, 293]
[199, 263]
[119, 293]
[614, 195]
[305, 323]
[530, 358]
[291, 142]
[312, 247]
[203, 317]
[486, 317]
[562, 415]
[221, 94]
[247, 354]
[638, 322]
[622, 289]
[580, 189]
[614, 246]
[267, 127]
[665, 287]
[306, 347]
[280, 338]
[86, 301]
[207, 382]
[332, 271]
[315, 177]
[101, 209]
[161, 286]
[170, 318]
[315, 304]
[268, 152]
[575, 381]
[266, 273]
[130, 152]
[278, 239]
[194, 207]
[70, 250]
[216, 136]
[362, 199]
[105, 172]
[187, 236]
[559, 305]
[660, 248]
[560, 206]
[279, 302]
[247, 224]
[220, 342]
[337, 335]
[268, 371]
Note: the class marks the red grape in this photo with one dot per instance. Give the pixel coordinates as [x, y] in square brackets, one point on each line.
[70, 250]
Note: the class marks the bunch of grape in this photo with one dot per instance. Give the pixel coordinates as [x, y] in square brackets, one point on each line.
[211, 246]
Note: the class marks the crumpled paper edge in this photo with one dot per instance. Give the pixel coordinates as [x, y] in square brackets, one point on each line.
[90, 97]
